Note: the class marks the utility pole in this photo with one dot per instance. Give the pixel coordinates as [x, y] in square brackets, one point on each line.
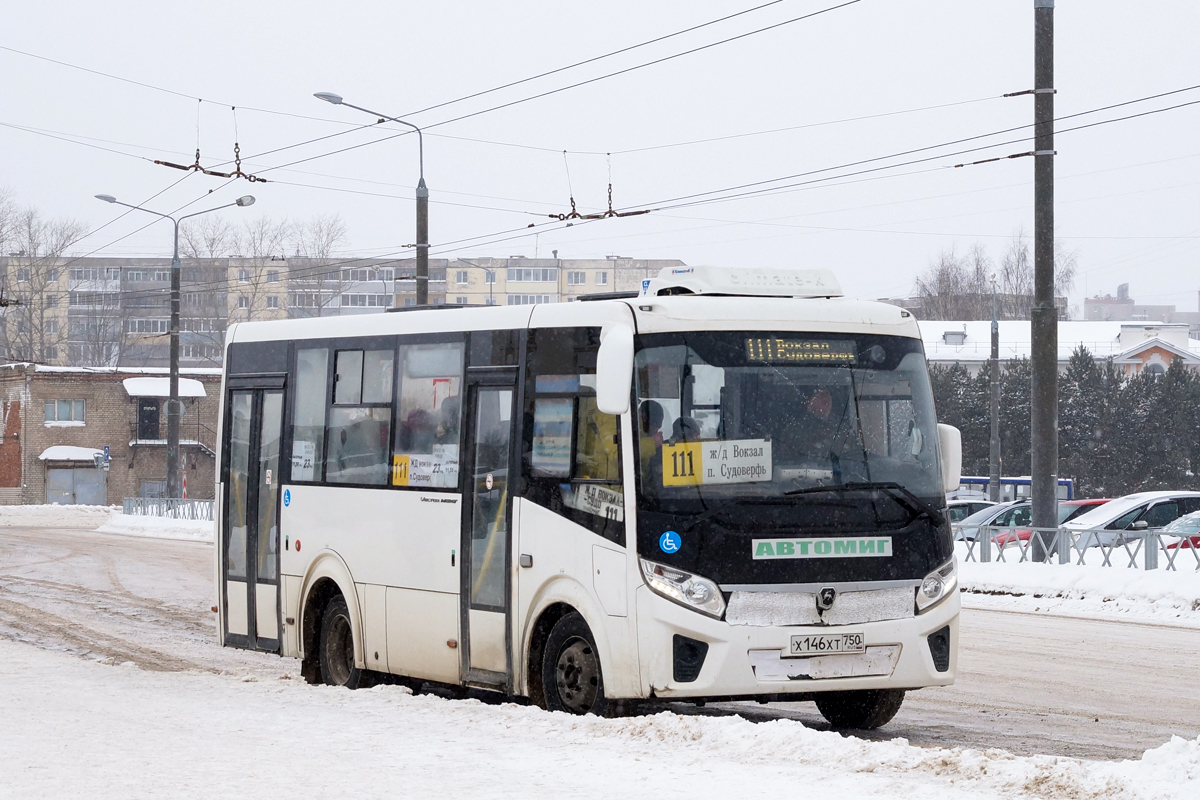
[422, 245]
[174, 487]
[994, 441]
[174, 405]
[422, 241]
[1044, 316]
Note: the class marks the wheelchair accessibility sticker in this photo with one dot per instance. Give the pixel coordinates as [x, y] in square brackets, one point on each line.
[670, 542]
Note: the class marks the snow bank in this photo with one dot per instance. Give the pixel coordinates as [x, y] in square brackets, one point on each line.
[159, 527]
[55, 516]
[1157, 594]
[105, 519]
[386, 741]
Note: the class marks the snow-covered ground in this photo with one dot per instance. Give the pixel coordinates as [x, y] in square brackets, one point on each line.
[1168, 596]
[106, 519]
[112, 685]
[81, 728]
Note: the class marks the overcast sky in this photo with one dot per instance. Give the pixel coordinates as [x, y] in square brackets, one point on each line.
[1127, 192]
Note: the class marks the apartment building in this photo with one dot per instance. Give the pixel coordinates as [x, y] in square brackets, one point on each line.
[523, 281]
[115, 312]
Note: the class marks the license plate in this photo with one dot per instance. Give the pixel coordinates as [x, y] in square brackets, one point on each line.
[828, 643]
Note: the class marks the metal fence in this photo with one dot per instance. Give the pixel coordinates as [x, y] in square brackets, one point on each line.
[169, 507]
[1129, 549]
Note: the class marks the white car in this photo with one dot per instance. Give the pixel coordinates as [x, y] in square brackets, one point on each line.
[1144, 511]
[1001, 515]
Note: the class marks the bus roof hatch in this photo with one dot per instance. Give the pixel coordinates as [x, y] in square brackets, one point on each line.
[748, 281]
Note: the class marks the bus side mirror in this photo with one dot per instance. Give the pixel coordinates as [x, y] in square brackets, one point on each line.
[614, 369]
[950, 447]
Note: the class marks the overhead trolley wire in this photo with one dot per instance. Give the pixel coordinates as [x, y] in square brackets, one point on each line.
[575, 85]
[661, 205]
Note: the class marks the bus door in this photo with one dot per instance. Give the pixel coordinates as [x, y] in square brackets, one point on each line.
[250, 519]
[488, 482]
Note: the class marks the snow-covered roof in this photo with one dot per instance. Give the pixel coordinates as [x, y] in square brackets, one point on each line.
[161, 387]
[200, 371]
[66, 452]
[1102, 339]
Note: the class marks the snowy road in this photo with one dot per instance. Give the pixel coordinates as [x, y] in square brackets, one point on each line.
[1028, 683]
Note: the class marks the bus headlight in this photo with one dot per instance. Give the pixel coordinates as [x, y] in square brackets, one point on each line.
[684, 588]
[937, 586]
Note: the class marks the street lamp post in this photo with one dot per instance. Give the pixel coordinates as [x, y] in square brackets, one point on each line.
[173, 483]
[491, 274]
[422, 275]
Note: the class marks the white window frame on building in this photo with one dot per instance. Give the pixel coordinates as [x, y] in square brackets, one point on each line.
[602, 279]
[272, 301]
[532, 274]
[69, 411]
[575, 278]
[243, 301]
[272, 276]
[243, 276]
[461, 277]
[529, 299]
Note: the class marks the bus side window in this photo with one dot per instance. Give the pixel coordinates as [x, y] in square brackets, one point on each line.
[361, 417]
[571, 454]
[308, 424]
[429, 418]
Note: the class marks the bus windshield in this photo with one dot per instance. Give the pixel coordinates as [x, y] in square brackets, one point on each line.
[727, 417]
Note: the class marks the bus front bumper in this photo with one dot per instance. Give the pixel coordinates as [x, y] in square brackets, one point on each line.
[754, 661]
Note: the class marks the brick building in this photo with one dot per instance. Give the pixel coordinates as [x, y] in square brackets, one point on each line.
[54, 420]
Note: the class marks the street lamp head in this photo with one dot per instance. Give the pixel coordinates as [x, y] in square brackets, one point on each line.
[329, 97]
[108, 198]
[246, 200]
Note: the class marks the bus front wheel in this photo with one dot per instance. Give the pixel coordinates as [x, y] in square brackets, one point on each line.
[336, 647]
[571, 677]
[865, 709]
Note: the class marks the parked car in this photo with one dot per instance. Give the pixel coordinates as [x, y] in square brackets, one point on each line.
[963, 507]
[1144, 511]
[1000, 515]
[1067, 510]
[1183, 532]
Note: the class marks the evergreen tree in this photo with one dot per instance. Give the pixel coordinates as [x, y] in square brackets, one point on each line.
[1167, 429]
[1080, 407]
[1016, 383]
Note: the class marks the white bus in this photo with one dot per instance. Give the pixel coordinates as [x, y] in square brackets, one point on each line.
[727, 485]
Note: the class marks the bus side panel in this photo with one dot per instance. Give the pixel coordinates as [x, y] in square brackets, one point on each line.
[290, 642]
[420, 629]
[387, 537]
[562, 572]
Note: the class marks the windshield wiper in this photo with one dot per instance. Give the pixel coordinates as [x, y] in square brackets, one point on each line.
[894, 490]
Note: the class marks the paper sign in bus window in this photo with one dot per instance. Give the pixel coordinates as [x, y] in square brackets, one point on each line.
[303, 460]
[438, 470]
[717, 461]
[552, 424]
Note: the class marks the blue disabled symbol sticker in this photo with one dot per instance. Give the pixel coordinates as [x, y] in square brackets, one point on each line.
[670, 542]
[287, 497]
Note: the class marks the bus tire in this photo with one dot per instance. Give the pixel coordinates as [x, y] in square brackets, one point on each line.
[571, 677]
[865, 709]
[336, 648]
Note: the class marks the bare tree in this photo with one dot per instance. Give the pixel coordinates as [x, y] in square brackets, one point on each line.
[314, 282]
[36, 327]
[960, 287]
[207, 237]
[8, 219]
[254, 284]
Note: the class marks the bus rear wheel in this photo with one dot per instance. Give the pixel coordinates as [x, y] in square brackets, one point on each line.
[335, 651]
[571, 676]
[865, 709]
